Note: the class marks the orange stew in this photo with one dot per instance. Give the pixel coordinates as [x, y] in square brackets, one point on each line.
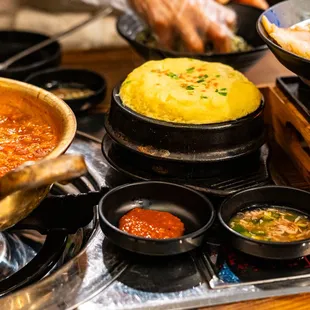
[151, 224]
[23, 137]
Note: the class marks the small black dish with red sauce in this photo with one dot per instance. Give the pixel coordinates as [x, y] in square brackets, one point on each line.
[192, 208]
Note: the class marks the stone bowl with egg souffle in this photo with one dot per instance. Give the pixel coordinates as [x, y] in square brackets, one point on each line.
[188, 111]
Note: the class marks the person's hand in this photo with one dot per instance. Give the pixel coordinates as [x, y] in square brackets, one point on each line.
[192, 20]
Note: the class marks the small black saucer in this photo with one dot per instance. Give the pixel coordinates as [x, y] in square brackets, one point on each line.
[248, 175]
[50, 79]
[192, 208]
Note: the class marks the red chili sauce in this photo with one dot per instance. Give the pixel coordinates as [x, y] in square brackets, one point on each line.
[151, 224]
[23, 137]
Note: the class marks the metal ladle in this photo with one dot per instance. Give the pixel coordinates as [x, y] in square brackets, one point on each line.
[102, 13]
[33, 180]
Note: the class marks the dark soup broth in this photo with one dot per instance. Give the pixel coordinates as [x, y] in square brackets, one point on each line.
[274, 223]
[69, 91]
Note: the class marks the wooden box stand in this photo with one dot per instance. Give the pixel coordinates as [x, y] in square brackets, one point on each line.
[288, 128]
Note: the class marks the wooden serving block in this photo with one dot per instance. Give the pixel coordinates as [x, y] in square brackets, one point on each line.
[288, 128]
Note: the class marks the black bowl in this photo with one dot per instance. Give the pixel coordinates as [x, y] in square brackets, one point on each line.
[184, 142]
[194, 210]
[287, 197]
[13, 42]
[129, 25]
[49, 79]
[287, 14]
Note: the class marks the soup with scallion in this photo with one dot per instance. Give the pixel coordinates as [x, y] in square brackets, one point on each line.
[275, 224]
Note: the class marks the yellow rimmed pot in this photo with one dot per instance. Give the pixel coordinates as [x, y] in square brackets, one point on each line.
[22, 189]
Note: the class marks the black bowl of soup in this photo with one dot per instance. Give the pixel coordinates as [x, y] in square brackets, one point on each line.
[270, 222]
[81, 89]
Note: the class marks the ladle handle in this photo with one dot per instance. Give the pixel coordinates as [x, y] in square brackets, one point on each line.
[42, 173]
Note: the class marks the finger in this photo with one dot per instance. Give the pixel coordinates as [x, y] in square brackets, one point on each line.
[140, 7]
[216, 32]
[220, 37]
[157, 17]
[190, 37]
[221, 14]
[231, 18]
[164, 33]
[222, 1]
[184, 26]
[161, 21]
[261, 4]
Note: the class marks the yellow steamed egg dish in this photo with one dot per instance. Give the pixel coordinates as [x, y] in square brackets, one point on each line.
[188, 91]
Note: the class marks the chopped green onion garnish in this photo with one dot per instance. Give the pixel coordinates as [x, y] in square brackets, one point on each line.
[173, 75]
[222, 94]
[190, 70]
[203, 97]
[201, 80]
[190, 87]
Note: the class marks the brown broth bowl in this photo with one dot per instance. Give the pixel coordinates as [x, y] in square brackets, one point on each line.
[59, 77]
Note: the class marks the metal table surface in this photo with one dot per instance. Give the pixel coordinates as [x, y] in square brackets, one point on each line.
[103, 277]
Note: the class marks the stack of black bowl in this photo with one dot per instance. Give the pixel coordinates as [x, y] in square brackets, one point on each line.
[160, 150]
[146, 149]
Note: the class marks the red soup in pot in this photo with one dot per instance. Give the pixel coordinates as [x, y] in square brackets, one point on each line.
[25, 135]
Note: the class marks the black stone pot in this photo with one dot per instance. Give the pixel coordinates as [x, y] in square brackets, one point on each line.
[184, 142]
[281, 196]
